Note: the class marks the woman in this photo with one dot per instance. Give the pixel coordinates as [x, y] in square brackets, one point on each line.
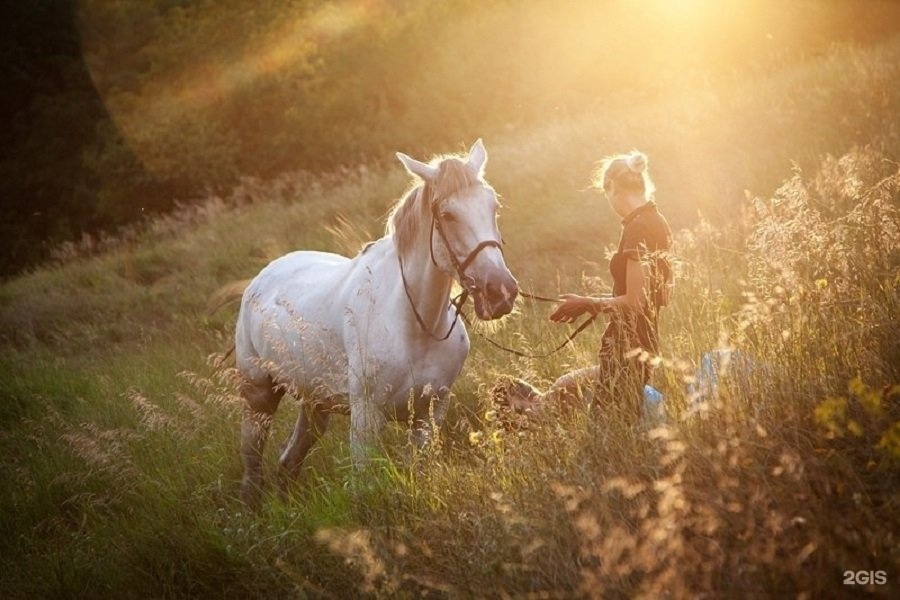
[642, 284]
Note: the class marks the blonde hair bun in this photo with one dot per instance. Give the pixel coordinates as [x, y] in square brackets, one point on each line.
[637, 162]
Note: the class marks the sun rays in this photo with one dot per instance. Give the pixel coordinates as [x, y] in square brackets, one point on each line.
[239, 60]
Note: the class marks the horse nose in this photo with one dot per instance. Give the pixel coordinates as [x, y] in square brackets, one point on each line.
[502, 294]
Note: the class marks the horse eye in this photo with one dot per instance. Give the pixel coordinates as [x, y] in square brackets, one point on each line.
[448, 216]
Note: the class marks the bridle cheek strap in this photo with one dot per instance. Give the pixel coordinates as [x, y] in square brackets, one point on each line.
[460, 267]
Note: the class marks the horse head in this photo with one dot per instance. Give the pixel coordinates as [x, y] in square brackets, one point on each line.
[465, 240]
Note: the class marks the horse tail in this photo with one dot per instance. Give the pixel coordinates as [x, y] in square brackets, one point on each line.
[217, 361]
[228, 294]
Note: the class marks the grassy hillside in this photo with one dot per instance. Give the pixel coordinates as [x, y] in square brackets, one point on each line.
[118, 435]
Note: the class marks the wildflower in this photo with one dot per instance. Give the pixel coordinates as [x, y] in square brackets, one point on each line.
[890, 441]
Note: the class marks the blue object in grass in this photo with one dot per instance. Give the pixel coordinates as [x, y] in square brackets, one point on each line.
[654, 405]
[719, 367]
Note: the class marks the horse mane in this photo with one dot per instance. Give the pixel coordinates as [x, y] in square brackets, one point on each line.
[414, 210]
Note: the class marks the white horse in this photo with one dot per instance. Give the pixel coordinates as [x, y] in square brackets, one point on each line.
[375, 335]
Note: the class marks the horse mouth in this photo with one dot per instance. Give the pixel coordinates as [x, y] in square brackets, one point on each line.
[492, 306]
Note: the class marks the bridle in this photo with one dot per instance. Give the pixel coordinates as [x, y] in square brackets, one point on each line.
[467, 283]
[460, 267]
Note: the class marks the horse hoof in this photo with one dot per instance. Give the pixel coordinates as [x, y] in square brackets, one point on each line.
[251, 494]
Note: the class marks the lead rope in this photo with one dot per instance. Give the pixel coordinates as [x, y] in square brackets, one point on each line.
[565, 342]
[456, 302]
[536, 297]
[463, 296]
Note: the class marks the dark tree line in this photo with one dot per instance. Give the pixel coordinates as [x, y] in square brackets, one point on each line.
[51, 117]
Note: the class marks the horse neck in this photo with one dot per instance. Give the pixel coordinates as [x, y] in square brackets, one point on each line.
[428, 286]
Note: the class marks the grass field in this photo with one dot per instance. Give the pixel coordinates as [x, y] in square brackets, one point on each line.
[119, 436]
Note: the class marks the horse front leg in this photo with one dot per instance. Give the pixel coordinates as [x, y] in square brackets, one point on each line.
[366, 423]
[260, 403]
[428, 415]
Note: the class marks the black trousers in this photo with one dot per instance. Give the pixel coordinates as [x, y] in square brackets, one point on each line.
[623, 368]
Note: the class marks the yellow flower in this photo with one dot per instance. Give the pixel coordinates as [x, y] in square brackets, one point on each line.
[890, 441]
[475, 437]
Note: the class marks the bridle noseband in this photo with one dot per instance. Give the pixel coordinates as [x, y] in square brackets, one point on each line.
[467, 283]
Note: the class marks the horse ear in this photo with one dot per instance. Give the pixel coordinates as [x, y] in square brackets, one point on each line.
[419, 169]
[477, 157]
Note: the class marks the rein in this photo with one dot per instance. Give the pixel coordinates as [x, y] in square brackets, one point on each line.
[536, 297]
[467, 284]
[564, 343]
[457, 302]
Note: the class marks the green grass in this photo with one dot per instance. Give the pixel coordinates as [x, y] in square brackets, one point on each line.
[118, 438]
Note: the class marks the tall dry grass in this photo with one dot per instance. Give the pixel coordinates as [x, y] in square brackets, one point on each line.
[786, 480]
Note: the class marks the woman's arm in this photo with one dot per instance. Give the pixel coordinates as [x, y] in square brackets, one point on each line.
[573, 305]
[636, 274]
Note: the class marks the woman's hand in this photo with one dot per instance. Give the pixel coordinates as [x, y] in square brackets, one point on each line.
[573, 306]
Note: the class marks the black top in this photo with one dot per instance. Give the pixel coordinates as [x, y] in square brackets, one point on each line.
[645, 237]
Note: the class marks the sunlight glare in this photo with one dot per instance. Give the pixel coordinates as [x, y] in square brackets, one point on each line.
[179, 93]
